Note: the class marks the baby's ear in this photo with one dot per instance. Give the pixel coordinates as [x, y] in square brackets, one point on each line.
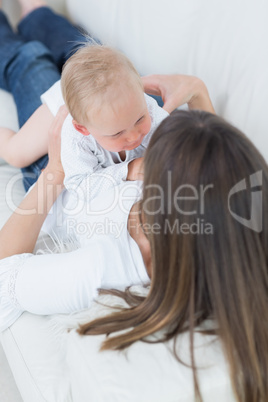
[82, 129]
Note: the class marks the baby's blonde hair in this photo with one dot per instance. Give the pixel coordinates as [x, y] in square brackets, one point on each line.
[92, 75]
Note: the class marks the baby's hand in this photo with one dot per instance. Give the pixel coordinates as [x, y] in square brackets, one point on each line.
[135, 169]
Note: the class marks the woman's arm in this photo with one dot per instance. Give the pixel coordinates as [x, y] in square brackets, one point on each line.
[20, 232]
[30, 142]
[178, 89]
[49, 283]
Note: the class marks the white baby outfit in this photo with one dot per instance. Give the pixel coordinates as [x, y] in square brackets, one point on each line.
[88, 167]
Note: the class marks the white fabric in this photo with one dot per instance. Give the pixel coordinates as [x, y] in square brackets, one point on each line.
[11, 191]
[106, 259]
[225, 43]
[88, 165]
[33, 354]
[146, 373]
[142, 372]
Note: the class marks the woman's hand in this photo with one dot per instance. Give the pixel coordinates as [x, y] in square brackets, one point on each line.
[20, 232]
[54, 165]
[178, 89]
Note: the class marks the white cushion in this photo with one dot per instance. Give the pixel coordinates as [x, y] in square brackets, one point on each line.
[37, 363]
[11, 187]
[8, 111]
[224, 43]
[11, 191]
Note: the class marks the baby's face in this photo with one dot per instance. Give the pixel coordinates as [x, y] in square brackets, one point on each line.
[122, 125]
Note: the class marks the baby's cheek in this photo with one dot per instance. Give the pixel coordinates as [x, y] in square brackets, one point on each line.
[148, 124]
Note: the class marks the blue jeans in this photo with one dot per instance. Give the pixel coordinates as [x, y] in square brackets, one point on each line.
[31, 62]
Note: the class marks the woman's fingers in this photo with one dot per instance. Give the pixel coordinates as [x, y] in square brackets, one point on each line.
[178, 89]
[151, 84]
[174, 89]
[56, 126]
[54, 139]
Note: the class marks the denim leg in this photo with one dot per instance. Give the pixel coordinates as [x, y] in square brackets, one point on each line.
[27, 70]
[28, 75]
[55, 32]
[31, 73]
[9, 45]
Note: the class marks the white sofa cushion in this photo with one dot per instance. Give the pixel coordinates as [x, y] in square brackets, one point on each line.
[37, 363]
[11, 187]
[225, 43]
[11, 190]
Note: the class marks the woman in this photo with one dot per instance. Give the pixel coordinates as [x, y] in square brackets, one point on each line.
[197, 276]
[119, 266]
[208, 270]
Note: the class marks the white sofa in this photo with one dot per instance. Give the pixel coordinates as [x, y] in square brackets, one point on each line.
[225, 44]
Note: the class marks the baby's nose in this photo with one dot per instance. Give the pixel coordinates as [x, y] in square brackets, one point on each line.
[133, 136]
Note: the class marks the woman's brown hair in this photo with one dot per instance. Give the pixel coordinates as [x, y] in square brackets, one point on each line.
[205, 185]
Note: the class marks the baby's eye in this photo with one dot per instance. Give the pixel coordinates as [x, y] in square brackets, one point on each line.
[140, 120]
[118, 134]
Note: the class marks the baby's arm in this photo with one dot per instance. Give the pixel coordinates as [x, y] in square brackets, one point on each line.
[30, 142]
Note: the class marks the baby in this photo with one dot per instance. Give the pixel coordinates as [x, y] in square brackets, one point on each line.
[110, 123]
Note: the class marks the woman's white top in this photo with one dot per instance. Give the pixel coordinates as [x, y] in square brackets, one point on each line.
[147, 372]
[107, 257]
[87, 166]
